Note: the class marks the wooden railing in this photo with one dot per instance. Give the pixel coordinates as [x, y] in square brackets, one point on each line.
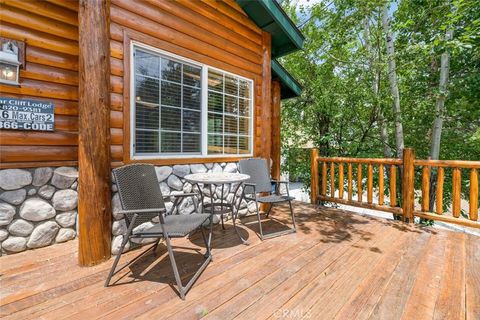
[401, 202]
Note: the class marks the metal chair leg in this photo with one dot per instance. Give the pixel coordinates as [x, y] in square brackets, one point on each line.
[223, 226]
[115, 263]
[156, 246]
[293, 216]
[269, 209]
[117, 258]
[175, 269]
[182, 290]
[258, 217]
[209, 242]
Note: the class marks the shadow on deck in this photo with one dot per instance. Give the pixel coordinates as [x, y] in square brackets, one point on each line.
[338, 265]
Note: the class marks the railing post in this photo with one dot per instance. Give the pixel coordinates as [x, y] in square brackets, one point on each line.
[408, 184]
[314, 172]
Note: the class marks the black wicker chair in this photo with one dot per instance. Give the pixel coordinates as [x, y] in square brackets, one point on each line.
[141, 201]
[260, 182]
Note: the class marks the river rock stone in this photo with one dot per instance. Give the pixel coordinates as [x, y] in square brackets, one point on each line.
[6, 213]
[181, 170]
[119, 227]
[209, 165]
[226, 191]
[36, 209]
[187, 187]
[41, 176]
[114, 188]
[117, 243]
[174, 182]
[140, 228]
[46, 192]
[230, 167]
[217, 168]
[64, 177]
[12, 179]
[163, 172]
[43, 235]
[65, 234]
[198, 168]
[20, 228]
[3, 235]
[242, 212]
[216, 219]
[252, 206]
[165, 189]
[65, 200]
[15, 197]
[14, 244]
[116, 207]
[66, 219]
[243, 204]
[74, 185]
[187, 206]
[32, 192]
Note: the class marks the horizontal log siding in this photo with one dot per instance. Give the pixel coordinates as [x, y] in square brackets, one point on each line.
[50, 73]
[217, 34]
[222, 37]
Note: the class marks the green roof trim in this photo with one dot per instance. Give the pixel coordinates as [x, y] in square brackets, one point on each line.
[290, 88]
[269, 16]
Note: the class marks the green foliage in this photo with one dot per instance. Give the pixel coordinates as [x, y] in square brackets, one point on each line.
[338, 111]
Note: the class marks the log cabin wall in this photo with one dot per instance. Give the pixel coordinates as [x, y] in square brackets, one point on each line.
[215, 33]
[50, 32]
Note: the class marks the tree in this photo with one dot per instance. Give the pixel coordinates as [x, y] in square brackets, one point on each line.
[347, 88]
[392, 76]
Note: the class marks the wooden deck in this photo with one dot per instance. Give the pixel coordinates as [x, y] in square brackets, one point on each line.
[339, 265]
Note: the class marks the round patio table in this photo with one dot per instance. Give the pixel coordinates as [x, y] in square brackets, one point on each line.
[218, 179]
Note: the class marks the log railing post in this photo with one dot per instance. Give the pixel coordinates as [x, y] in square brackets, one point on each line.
[408, 184]
[94, 203]
[314, 172]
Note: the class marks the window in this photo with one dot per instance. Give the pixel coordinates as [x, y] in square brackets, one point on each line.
[228, 114]
[182, 108]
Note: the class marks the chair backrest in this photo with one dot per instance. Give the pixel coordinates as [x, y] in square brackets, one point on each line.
[138, 188]
[257, 169]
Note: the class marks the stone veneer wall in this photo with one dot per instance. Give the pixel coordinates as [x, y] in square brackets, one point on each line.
[38, 206]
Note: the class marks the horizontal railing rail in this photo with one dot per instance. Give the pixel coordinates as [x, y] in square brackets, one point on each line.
[386, 170]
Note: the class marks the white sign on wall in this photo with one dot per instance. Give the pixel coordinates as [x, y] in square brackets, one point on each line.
[23, 114]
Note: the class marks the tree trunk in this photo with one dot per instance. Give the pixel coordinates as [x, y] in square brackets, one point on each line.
[439, 115]
[440, 103]
[392, 75]
[387, 152]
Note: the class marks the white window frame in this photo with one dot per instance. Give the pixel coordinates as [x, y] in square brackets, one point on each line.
[203, 109]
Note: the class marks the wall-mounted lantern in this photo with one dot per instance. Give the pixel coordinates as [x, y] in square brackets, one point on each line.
[9, 63]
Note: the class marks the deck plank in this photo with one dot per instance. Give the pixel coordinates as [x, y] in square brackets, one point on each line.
[472, 280]
[366, 296]
[338, 264]
[289, 265]
[332, 289]
[421, 302]
[392, 300]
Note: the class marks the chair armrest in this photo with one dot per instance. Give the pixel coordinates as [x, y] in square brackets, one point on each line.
[162, 210]
[281, 181]
[249, 184]
[183, 195]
